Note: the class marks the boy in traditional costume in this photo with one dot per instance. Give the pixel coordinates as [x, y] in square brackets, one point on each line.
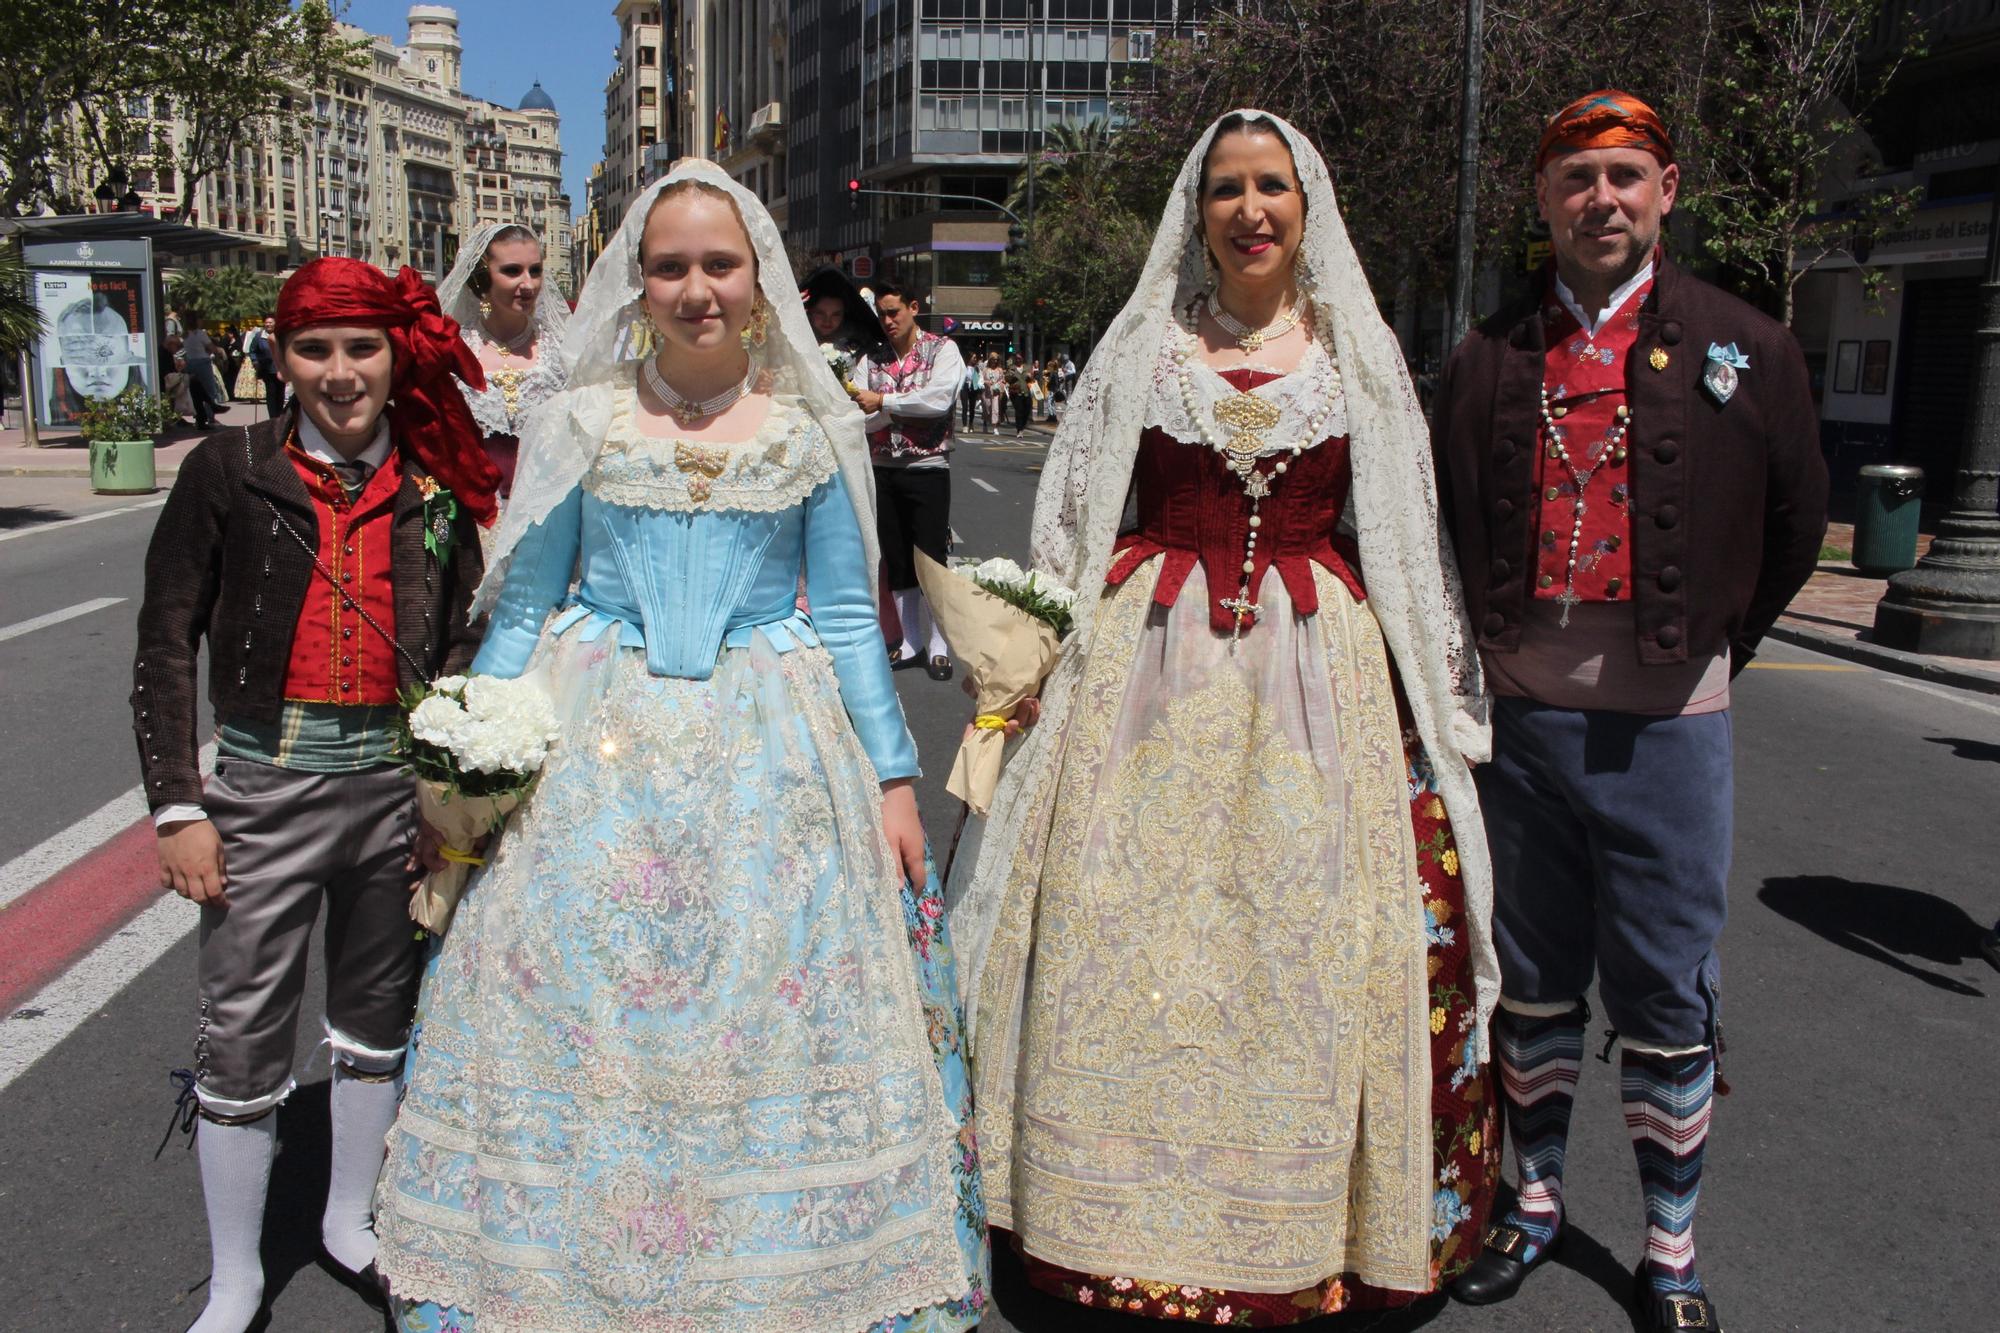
[329, 557]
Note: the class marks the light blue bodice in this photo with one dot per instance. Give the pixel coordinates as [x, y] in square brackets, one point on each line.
[688, 548]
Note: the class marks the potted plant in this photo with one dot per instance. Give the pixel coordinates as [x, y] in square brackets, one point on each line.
[120, 432]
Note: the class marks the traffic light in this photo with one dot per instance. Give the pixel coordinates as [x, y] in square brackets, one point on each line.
[854, 196]
[1016, 236]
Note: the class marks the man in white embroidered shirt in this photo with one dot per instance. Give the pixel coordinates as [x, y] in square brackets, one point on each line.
[908, 392]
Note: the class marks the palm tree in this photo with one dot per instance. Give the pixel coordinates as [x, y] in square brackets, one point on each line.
[20, 321]
[1070, 153]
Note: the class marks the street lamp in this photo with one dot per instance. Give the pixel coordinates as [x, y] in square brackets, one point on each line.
[1950, 603]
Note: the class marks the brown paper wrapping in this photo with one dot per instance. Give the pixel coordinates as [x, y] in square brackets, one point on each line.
[1004, 652]
[462, 821]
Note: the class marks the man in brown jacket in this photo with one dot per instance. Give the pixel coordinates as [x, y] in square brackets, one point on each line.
[1632, 480]
[329, 557]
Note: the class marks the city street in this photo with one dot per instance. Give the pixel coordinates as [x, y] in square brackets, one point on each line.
[1850, 1173]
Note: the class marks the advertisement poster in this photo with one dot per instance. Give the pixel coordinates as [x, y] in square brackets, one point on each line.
[93, 344]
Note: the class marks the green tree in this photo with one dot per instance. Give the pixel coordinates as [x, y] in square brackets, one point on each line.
[1080, 262]
[79, 74]
[233, 295]
[20, 321]
[1782, 103]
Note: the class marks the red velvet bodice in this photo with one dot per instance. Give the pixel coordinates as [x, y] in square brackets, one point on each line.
[1192, 509]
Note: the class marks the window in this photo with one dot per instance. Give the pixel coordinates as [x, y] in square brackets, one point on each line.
[649, 97]
[1013, 43]
[949, 112]
[646, 56]
[1013, 113]
[951, 43]
[1076, 44]
[1140, 44]
[968, 268]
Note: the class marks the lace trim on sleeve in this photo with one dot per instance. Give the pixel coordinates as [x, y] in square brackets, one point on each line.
[787, 459]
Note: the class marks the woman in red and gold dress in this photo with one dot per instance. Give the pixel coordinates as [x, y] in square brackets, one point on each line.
[1228, 965]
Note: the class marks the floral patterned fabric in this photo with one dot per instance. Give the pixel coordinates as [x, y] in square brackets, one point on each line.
[1464, 1115]
[687, 1059]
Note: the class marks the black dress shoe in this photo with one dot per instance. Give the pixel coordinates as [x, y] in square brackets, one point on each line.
[1676, 1312]
[939, 668]
[367, 1284]
[1496, 1274]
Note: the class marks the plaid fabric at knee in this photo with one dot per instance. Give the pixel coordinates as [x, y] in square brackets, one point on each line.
[1667, 1103]
[1539, 1059]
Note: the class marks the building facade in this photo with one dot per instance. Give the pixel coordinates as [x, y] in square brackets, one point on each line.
[638, 111]
[734, 62]
[395, 164]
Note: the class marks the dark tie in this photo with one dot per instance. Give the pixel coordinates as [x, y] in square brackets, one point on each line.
[353, 476]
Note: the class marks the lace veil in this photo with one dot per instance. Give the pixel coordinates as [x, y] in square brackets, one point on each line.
[455, 293]
[1412, 580]
[561, 437]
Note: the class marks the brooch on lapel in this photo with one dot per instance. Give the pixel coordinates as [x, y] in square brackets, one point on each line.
[440, 508]
[1659, 358]
[1720, 377]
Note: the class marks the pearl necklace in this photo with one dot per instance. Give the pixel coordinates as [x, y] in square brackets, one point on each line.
[1613, 449]
[686, 410]
[1249, 339]
[1245, 415]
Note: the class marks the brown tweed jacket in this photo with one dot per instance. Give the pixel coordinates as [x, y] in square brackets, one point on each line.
[220, 565]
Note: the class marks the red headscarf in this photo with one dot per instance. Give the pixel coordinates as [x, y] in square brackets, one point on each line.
[1606, 118]
[427, 411]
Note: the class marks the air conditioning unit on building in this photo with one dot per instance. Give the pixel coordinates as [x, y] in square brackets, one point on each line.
[767, 119]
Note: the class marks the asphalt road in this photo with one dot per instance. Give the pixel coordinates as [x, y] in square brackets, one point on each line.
[1850, 1173]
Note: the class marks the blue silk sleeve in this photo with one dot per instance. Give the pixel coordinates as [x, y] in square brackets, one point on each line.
[849, 625]
[538, 578]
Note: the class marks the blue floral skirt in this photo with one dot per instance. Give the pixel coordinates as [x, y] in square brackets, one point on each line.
[689, 1056]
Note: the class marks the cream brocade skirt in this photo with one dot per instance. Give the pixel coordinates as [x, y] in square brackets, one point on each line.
[1203, 1044]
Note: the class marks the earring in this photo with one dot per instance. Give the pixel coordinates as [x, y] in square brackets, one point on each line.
[485, 307]
[645, 335]
[758, 328]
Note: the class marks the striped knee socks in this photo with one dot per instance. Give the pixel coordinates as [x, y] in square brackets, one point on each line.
[1667, 1101]
[1539, 1057]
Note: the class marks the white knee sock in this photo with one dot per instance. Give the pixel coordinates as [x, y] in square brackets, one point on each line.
[235, 1175]
[910, 609]
[938, 647]
[362, 1114]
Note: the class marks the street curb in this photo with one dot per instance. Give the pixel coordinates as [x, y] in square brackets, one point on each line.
[167, 473]
[1893, 660]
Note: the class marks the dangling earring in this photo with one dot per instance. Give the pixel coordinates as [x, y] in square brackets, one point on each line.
[645, 335]
[760, 322]
[1209, 267]
[485, 308]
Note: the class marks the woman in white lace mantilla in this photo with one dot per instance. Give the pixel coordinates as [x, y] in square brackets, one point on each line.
[688, 1058]
[514, 325]
[1224, 961]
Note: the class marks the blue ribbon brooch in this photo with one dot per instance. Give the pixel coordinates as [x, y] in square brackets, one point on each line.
[1720, 376]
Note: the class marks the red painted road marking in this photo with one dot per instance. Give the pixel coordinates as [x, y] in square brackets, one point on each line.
[67, 915]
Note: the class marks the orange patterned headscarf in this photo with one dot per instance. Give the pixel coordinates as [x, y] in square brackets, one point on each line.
[1606, 118]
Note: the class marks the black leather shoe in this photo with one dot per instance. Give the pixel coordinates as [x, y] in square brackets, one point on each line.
[367, 1284]
[939, 668]
[1674, 1312]
[1496, 1274]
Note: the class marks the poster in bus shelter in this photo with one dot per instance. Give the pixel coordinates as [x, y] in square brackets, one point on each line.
[93, 342]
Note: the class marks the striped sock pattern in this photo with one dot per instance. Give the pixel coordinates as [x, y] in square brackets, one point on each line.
[1667, 1102]
[1539, 1058]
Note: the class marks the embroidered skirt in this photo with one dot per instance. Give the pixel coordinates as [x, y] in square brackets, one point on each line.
[688, 1058]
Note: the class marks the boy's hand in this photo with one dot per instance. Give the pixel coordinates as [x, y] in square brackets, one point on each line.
[191, 860]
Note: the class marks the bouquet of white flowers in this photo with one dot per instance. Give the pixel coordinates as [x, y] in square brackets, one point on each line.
[475, 746]
[840, 363]
[1005, 625]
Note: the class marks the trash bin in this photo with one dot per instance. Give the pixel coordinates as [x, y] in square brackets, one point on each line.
[122, 467]
[1888, 498]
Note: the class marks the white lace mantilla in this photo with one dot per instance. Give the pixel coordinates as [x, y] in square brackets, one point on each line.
[1298, 395]
[496, 410]
[784, 462]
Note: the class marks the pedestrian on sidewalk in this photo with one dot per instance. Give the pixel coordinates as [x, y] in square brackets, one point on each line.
[263, 356]
[1615, 598]
[315, 555]
[993, 385]
[198, 352]
[908, 392]
[968, 396]
[1017, 394]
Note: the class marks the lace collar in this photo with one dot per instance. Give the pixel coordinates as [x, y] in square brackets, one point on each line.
[778, 467]
[501, 407]
[1297, 395]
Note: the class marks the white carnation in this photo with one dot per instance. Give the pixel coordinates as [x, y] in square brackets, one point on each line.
[508, 726]
[1000, 570]
[437, 721]
[449, 684]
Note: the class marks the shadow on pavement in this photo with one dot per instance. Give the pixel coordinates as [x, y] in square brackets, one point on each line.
[1881, 922]
[27, 516]
[298, 1187]
[1960, 746]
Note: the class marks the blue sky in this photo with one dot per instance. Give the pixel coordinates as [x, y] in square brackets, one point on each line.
[569, 45]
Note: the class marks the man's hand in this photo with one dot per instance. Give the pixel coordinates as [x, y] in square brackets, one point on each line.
[904, 829]
[191, 860]
[1026, 713]
[871, 402]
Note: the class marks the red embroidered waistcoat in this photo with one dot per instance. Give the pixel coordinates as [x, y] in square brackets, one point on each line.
[1192, 508]
[1586, 377]
[336, 657]
[910, 437]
